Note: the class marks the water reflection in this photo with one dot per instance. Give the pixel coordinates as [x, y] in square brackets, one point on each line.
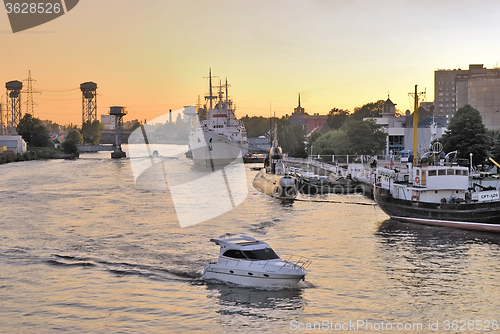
[239, 305]
[421, 236]
[440, 266]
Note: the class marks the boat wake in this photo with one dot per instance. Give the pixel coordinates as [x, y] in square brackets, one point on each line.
[126, 269]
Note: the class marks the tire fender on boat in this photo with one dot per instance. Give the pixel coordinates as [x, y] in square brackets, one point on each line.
[277, 191]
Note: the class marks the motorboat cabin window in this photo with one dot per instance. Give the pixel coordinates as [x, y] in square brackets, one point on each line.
[261, 254]
[432, 172]
[450, 172]
[418, 172]
[441, 172]
[234, 253]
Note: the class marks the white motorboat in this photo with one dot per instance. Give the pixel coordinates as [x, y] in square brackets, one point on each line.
[246, 261]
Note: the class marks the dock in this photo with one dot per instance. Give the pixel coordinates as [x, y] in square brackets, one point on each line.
[94, 148]
[360, 175]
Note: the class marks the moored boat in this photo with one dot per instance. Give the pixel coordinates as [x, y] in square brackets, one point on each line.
[443, 195]
[438, 195]
[247, 261]
[220, 138]
[273, 179]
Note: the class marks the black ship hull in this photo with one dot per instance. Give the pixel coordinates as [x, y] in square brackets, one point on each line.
[481, 216]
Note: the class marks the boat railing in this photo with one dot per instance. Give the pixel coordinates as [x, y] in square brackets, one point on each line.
[293, 261]
[296, 262]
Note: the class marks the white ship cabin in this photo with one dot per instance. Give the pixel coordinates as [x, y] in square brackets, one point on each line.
[244, 248]
[222, 120]
[427, 183]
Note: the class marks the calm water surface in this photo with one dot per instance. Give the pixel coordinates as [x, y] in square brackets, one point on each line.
[83, 250]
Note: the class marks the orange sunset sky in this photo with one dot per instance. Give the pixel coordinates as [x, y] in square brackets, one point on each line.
[151, 55]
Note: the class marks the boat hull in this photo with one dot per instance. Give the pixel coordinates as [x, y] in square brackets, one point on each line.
[250, 278]
[279, 186]
[482, 216]
[208, 147]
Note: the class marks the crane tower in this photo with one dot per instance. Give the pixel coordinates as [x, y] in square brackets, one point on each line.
[13, 104]
[89, 101]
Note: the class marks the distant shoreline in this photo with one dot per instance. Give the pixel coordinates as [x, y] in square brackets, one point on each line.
[37, 153]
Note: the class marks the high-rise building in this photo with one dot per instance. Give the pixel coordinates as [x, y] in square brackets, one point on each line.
[477, 86]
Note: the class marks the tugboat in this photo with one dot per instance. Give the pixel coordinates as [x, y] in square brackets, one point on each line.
[246, 261]
[221, 138]
[437, 195]
[273, 179]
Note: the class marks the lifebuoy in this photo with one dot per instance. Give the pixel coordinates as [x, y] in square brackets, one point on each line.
[417, 180]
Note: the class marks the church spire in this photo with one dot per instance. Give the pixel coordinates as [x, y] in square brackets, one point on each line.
[299, 108]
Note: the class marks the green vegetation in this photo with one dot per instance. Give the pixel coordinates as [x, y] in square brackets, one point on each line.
[354, 137]
[467, 134]
[372, 109]
[256, 126]
[291, 138]
[337, 118]
[495, 144]
[34, 132]
[73, 138]
[36, 153]
[91, 132]
[350, 134]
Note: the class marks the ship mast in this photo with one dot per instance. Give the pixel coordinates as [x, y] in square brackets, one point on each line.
[226, 90]
[210, 97]
[415, 124]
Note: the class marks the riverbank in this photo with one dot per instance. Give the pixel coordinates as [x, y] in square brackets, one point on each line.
[37, 153]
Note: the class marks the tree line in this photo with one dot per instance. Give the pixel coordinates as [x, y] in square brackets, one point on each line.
[350, 135]
[36, 134]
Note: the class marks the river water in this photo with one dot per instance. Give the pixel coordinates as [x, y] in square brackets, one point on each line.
[84, 250]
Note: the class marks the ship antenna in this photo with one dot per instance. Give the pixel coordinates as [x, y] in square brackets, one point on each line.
[275, 141]
[226, 90]
[210, 84]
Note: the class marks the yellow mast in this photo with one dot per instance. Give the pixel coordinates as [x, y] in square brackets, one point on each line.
[415, 124]
[415, 128]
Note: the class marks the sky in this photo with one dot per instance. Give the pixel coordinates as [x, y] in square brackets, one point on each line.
[153, 55]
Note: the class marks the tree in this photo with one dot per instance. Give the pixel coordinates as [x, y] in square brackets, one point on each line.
[311, 139]
[365, 137]
[256, 126]
[372, 109]
[54, 128]
[91, 132]
[467, 134]
[73, 138]
[332, 142]
[355, 137]
[34, 132]
[495, 145]
[291, 137]
[337, 118]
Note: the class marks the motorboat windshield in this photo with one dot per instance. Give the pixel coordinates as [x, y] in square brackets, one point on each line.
[254, 254]
[261, 254]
